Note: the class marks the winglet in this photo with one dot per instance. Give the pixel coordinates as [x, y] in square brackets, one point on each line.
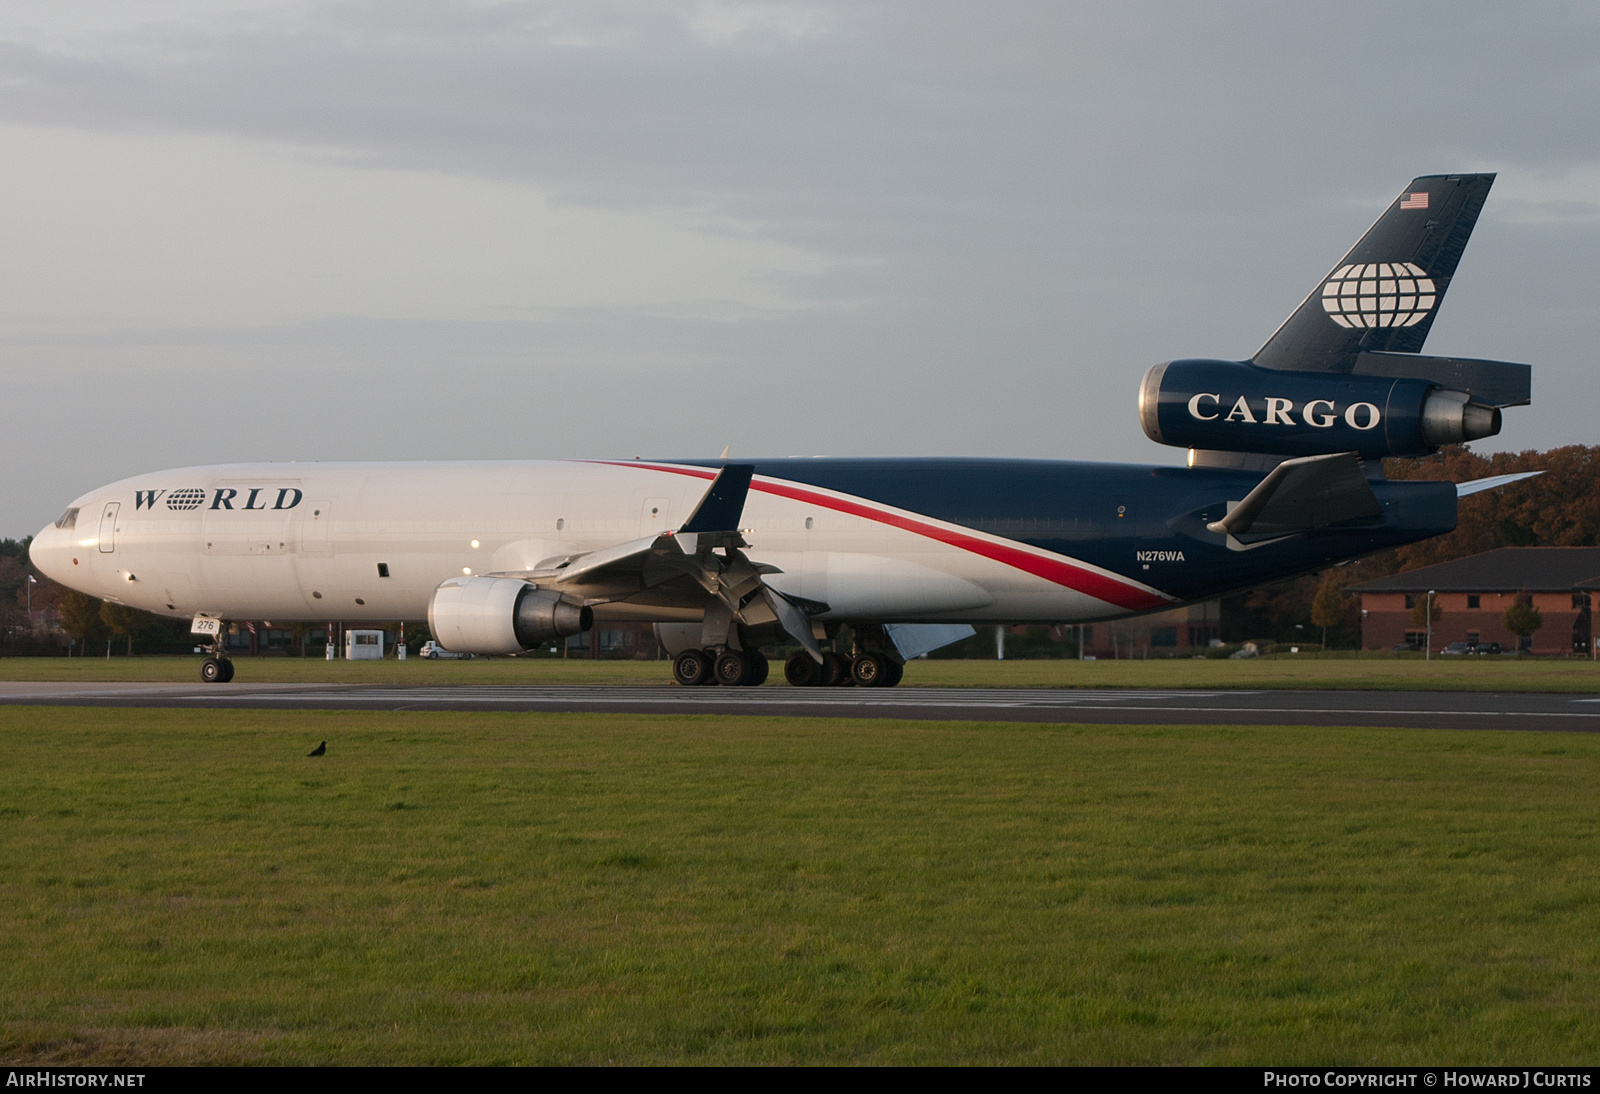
[723, 504]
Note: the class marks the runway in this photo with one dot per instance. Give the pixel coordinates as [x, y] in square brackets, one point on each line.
[1401, 709]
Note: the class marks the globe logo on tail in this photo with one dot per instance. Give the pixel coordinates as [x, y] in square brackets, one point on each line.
[1379, 294]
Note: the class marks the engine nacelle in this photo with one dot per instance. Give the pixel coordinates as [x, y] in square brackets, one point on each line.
[1234, 406]
[501, 615]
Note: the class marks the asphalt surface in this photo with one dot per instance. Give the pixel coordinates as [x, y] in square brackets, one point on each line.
[1401, 709]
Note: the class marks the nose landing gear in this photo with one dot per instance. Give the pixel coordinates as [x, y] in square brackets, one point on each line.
[217, 668]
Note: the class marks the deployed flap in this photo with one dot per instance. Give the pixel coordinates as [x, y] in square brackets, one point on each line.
[1301, 494]
[723, 504]
[1477, 485]
[916, 639]
[792, 620]
[1384, 294]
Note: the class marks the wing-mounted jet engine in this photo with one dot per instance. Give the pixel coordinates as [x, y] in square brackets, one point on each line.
[498, 615]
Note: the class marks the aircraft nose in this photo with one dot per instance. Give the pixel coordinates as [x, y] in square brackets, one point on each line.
[51, 552]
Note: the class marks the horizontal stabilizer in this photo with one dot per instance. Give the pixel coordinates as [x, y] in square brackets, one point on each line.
[1302, 494]
[1492, 383]
[1479, 485]
[723, 504]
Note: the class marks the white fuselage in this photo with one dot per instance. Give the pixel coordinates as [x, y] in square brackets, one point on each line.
[314, 542]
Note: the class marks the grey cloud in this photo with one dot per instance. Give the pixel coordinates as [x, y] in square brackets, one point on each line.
[1030, 203]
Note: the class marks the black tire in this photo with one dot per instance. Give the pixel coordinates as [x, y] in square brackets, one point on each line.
[801, 671]
[691, 668]
[759, 668]
[894, 672]
[834, 671]
[867, 671]
[732, 669]
[227, 671]
[211, 671]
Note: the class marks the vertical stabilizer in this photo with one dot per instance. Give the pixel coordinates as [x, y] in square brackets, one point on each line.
[1383, 295]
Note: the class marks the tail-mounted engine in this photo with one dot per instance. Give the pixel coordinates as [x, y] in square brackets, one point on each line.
[501, 615]
[1235, 406]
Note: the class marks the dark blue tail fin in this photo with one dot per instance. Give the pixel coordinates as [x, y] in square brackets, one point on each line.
[1383, 295]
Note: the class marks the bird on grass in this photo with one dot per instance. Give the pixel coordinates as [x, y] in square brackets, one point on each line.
[320, 750]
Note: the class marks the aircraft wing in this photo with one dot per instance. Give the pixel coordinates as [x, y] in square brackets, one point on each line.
[624, 557]
[701, 564]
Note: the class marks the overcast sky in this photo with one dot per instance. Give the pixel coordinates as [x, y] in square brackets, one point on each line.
[236, 230]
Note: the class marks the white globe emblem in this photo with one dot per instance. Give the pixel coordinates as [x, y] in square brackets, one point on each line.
[189, 497]
[1379, 294]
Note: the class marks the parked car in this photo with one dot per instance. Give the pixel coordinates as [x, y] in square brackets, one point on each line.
[1457, 648]
[435, 652]
[1488, 647]
[1407, 647]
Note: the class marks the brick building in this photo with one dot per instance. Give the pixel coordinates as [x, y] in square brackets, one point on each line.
[1472, 593]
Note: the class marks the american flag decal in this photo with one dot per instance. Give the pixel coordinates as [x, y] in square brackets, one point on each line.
[1418, 200]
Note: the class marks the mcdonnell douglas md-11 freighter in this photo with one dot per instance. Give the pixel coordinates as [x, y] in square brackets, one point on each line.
[904, 555]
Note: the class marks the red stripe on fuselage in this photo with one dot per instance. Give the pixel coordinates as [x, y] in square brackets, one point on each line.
[1100, 586]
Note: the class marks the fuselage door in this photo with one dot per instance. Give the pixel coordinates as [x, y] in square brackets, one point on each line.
[316, 528]
[108, 527]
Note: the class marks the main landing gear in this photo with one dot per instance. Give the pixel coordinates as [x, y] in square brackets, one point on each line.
[739, 669]
[730, 668]
[864, 670]
[862, 657]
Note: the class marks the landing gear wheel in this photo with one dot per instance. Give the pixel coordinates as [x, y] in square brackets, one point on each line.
[691, 668]
[758, 670]
[801, 671]
[227, 671]
[833, 672]
[212, 672]
[868, 671]
[732, 669]
[893, 672]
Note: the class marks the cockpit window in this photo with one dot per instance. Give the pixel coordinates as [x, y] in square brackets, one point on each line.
[69, 519]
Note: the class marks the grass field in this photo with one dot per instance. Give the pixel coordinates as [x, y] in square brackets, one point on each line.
[179, 886]
[1285, 671]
